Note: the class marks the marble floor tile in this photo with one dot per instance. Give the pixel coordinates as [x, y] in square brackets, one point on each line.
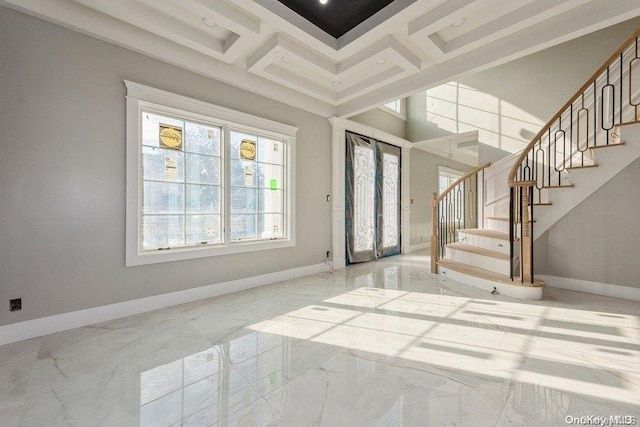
[17, 363]
[376, 344]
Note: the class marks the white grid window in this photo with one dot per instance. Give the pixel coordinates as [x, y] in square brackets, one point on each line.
[181, 184]
[204, 181]
[394, 105]
[396, 108]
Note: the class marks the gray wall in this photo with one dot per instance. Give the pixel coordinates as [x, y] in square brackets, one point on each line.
[597, 241]
[380, 119]
[424, 182]
[509, 103]
[490, 154]
[62, 174]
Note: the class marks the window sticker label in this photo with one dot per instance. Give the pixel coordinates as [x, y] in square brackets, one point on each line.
[170, 137]
[273, 184]
[248, 176]
[171, 170]
[247, 150]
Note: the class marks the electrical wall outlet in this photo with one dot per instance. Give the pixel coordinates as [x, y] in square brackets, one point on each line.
[15, 304]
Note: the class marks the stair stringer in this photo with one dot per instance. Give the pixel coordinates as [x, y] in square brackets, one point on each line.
[611, 161]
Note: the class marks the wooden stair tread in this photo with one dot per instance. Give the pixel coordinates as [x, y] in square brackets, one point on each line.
[486, 233]
[559, 186]
[595, 165]
[543, 204]
[478, 250]
[481, 273]
[597, 147]
[503, 218]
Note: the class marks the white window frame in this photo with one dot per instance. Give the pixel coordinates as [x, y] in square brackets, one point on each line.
[141, 97]
[402, 114]
[452, 173]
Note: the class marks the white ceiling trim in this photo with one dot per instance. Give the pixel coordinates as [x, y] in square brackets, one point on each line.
[385, 62]
[84, 20]
[407, 47]
[593, 16]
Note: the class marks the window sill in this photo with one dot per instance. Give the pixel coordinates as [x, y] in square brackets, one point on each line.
[180, 254]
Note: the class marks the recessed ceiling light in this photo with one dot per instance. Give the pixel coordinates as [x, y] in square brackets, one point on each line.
[323, 1]
[335, 83]
[460, 22]
[286, 59]
[209, 23]
[380, 61]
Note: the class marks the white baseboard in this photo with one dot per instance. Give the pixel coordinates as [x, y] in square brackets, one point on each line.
[75, 319]
[419, 246]
[604, 289]
[520, 292]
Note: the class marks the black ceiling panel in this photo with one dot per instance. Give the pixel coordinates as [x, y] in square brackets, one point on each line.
[336, 17]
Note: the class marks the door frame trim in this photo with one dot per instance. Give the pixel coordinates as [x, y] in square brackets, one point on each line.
[338, 158]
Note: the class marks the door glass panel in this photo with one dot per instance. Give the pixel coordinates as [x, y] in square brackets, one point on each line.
[390, 200]
[364, 198]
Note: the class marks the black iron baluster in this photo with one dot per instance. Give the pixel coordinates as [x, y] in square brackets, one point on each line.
[631, 64]
[440, 224]
[620, 83]
[555, 151]
[602, 107]
[467, 208]
[511, 225]
[521, 234]
[579, 139]
[531, 231]
[595, 116]
[549, 155]
[571, 137]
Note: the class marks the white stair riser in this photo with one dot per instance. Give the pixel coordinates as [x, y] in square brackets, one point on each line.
[490, 243]
[501, 226]
[477, 260]
[521, 292]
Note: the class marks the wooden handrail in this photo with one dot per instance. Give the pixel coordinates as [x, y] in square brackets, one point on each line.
[525, 152]
[435, 221]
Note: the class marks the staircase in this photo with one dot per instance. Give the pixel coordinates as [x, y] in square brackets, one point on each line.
[480, 257]
[489, 244]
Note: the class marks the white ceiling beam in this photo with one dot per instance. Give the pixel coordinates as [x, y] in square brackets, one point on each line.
[526, 16]
[159, 23]
[444, 15]
[225, 14]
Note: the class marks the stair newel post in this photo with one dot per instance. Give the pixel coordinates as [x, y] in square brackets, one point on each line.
[526, 256]
[435, 218]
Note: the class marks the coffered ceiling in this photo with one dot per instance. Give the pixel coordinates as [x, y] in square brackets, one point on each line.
[268, 48]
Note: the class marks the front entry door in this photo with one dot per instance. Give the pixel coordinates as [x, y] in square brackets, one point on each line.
[372, 199]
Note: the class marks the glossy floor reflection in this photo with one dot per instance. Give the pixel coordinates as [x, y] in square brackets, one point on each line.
[377, 344]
